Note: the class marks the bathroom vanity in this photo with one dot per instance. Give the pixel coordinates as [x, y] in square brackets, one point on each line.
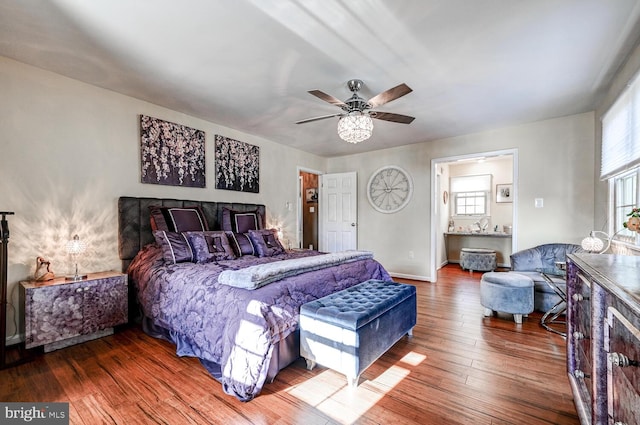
[498, 241]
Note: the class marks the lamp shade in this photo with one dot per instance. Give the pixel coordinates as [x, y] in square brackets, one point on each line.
[592, 244]
[355, 127]
[75, 246]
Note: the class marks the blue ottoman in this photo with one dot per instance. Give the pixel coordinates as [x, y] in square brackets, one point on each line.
[506, 292]
[479, 259]
[348, 330]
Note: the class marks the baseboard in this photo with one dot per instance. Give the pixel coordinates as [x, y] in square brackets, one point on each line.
[411, 276]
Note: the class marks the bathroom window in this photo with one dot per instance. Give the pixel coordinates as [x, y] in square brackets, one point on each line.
[470, 195]
[470, 203]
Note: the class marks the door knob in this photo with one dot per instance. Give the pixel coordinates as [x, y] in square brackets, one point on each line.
[353, 224]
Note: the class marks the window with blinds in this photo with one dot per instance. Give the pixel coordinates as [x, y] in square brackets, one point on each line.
[625, 196]
[621, 157]
[621, 133]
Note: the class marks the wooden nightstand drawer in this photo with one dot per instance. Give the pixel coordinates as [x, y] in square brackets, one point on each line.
[59, 312]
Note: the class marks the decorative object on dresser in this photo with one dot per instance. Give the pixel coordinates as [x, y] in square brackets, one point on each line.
[633, 222]
[171, 154]
[59, 313]
[598, 242]
[43, 270]
[603, 343]
[75, 247]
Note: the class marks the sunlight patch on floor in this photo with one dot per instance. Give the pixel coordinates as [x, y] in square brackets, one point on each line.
[328, 391]
[413, 358]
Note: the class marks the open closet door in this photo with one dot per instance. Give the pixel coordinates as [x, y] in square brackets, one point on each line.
[338, 212]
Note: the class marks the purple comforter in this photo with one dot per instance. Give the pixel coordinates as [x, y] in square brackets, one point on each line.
[232, 327]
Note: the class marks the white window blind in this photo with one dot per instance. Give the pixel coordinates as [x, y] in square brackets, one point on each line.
[479, 183]
[621, 133]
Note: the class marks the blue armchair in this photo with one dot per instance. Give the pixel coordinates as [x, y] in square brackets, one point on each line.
[542, 258]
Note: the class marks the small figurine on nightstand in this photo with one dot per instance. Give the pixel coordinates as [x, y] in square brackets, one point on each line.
[43, 271]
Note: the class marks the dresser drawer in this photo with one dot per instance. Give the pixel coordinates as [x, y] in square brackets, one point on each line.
[581, 334]
[623, 372]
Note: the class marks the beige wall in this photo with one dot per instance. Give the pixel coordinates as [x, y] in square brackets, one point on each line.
[624, 75]
[68, 150]
[555, 163]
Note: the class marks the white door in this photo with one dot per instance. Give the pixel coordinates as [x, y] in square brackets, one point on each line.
[338, 212]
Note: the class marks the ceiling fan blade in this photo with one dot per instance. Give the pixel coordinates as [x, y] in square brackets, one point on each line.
[389, 95]
[324, 117]
[327, 98]
[388, 116]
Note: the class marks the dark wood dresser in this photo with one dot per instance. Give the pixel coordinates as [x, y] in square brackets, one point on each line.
[603, 337]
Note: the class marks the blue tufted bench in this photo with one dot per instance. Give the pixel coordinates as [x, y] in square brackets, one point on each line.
[348, 330]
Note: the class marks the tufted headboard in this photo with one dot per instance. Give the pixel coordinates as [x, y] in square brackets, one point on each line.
[134, 226]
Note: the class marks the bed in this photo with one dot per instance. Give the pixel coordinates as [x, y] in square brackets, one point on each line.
[236, 312]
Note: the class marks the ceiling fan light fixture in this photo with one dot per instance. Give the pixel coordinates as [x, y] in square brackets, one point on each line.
[355, 127]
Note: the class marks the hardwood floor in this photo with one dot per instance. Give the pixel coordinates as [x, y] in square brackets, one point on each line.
[459, 368]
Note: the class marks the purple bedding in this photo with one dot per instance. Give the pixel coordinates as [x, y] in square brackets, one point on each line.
[232, 330]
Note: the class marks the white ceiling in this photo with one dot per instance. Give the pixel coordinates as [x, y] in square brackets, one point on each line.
[248, 64]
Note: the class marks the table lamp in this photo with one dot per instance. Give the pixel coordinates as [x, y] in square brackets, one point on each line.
[593, 243]
[76, 247]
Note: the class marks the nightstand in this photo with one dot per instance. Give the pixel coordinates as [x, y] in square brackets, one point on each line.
[59, 313]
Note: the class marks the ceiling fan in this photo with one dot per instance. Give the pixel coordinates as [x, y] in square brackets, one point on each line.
[355, 123]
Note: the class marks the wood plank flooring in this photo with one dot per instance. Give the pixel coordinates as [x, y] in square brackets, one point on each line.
[459, 368]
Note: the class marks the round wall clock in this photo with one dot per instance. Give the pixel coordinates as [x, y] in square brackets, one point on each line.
[389, 189]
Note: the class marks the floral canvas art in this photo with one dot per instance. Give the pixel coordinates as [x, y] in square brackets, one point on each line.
[237, 165]
[171, 154]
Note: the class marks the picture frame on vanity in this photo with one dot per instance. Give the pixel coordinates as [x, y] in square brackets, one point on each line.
[504, 193]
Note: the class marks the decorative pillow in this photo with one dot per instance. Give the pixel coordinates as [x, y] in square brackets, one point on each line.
[178, 219]
[175, 247]
[241, 244]
[241, 221]
[210, 246]
[266, 242]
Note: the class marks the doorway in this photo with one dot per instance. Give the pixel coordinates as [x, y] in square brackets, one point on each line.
[308, 209]
[441, 219]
